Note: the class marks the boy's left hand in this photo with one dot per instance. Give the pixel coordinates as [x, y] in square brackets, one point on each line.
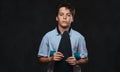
[71, 60]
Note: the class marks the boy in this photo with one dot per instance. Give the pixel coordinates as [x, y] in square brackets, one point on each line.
[48, 50]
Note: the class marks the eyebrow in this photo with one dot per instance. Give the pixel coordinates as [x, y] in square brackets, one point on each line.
[66, 13]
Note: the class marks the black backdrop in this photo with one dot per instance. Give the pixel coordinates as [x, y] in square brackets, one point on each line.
[23, 24]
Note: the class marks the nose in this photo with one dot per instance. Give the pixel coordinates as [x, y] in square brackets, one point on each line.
[64, 17]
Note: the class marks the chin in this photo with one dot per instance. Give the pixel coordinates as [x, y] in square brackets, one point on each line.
[65, 26]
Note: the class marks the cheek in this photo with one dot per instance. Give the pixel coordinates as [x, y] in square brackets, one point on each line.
[70, 20]
[59, 18]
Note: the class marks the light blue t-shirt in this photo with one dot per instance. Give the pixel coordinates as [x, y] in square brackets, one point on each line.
[51, 40]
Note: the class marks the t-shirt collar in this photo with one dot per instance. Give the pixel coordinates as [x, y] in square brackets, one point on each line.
[58, 31]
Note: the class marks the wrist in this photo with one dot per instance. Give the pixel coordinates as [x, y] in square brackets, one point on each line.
[50, 59]
[77, 62]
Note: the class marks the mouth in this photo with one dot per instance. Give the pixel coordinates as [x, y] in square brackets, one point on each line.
[64, 21]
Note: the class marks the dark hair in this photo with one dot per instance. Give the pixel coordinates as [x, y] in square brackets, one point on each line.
[66, 5]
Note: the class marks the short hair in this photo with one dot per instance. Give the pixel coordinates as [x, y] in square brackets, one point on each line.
[68, 6]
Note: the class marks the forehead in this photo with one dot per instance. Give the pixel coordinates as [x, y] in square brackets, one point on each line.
[64, 9]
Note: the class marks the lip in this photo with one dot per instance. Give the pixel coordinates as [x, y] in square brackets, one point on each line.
[64, 21]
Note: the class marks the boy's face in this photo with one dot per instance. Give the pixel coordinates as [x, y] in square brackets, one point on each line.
[64, 17]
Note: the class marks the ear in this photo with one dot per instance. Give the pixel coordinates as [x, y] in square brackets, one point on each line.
[56, 18]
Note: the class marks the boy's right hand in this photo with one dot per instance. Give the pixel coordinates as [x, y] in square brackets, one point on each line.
[57, 56]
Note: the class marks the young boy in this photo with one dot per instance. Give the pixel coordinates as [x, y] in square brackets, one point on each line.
[48, 50]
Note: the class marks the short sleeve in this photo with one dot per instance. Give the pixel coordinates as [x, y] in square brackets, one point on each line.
[82, 47]
[44, 47]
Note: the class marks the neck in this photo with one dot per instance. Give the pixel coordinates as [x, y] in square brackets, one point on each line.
[63, 29]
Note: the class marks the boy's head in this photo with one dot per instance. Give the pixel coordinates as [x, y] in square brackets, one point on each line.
[65, 14]
[67, 6]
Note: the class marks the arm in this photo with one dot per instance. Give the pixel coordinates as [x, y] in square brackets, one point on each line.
[45, 59]
[56, 57]
[82, 61]
[83, 54]
[83, 51]
[72, 61]
[43, 50]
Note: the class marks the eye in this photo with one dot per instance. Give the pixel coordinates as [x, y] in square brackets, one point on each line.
[61, 14]
[69, 15]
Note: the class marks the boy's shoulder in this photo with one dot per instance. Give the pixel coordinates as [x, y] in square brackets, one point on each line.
[50, 33]
[53, 31]
[77, 33]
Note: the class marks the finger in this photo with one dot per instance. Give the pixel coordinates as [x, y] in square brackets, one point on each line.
[71, 63]
[58, 58]
[70, 58]
[59, 53]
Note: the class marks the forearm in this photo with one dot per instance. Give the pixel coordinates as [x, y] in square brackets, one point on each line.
[56, 57]
[45, 59]
[82, 61]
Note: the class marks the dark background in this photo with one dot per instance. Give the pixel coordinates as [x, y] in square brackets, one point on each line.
[24, 22]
